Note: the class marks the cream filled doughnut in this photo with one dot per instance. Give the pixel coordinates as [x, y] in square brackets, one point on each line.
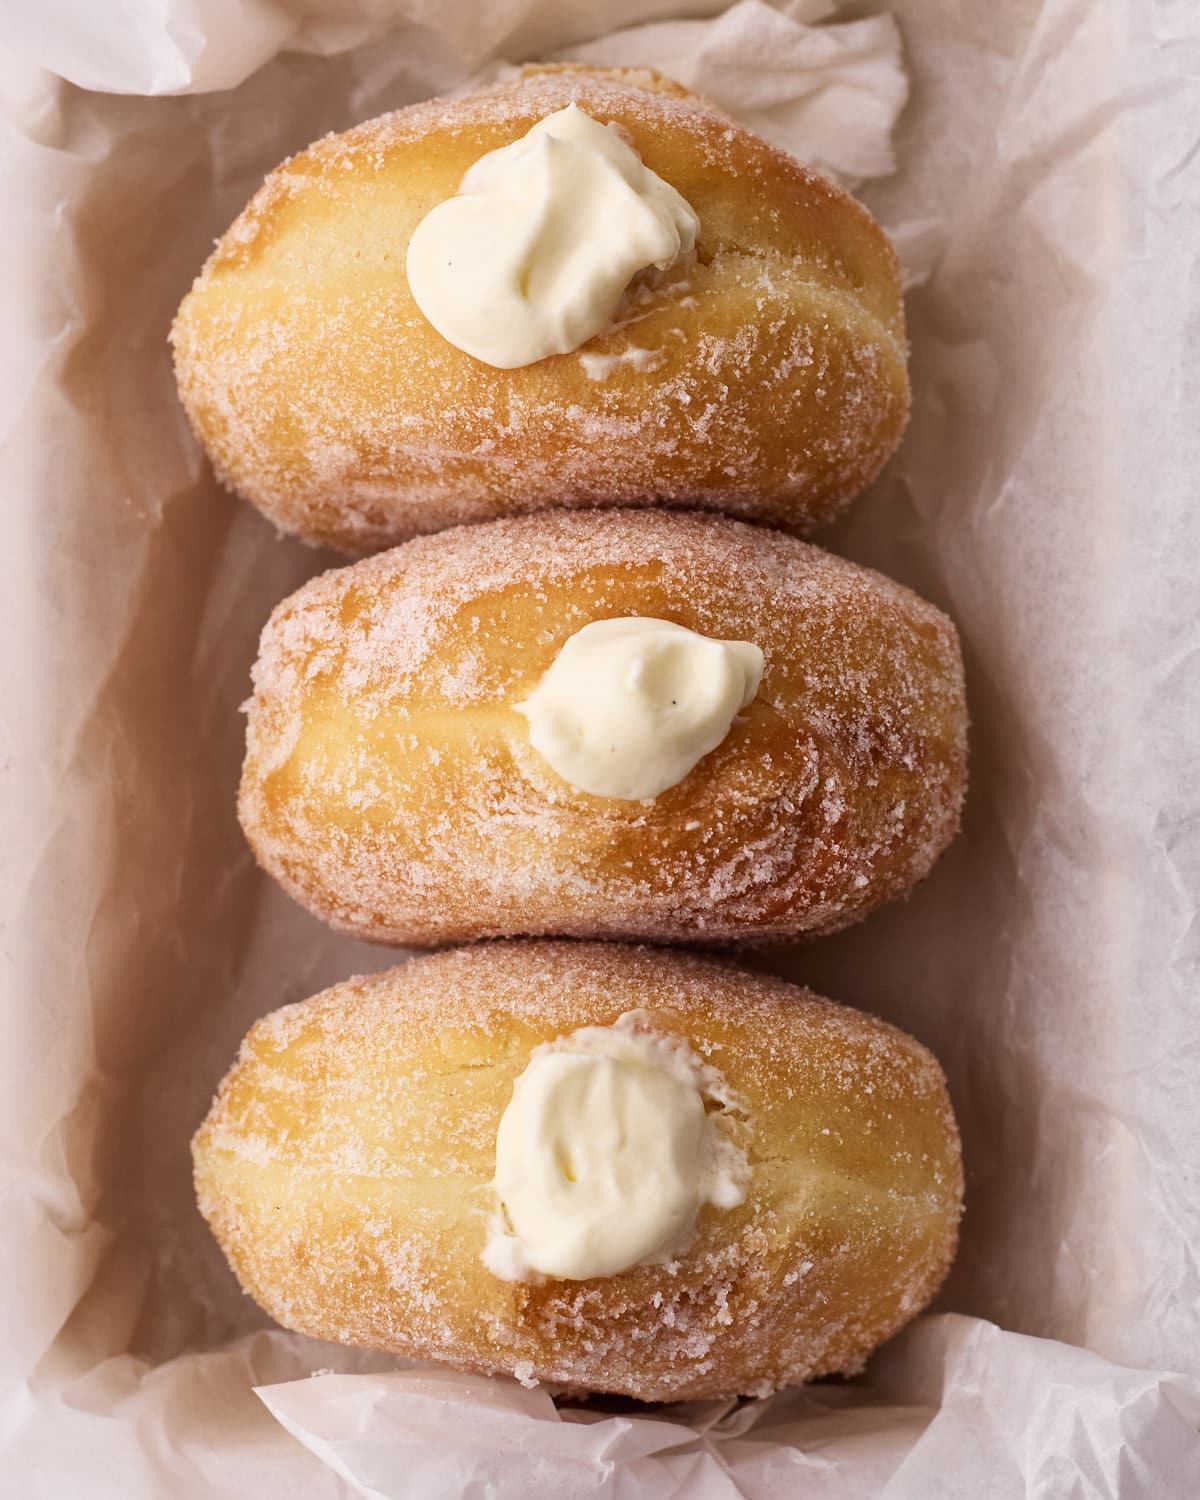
[362, 1149]
[725, 327]
[602, 724]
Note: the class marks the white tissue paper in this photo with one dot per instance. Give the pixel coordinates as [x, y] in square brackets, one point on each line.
[1045, 200]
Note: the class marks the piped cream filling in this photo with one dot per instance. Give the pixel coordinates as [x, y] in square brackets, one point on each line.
[606, 1153]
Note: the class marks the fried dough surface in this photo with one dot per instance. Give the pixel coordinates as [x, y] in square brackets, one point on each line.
[391, 787]
[346, 1162]
[765, 377]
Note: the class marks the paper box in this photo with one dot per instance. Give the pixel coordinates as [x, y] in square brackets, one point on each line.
[1046, 205]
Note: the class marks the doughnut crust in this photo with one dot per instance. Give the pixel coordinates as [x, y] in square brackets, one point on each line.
[766, 377]
[390, 785]
[344, 1169]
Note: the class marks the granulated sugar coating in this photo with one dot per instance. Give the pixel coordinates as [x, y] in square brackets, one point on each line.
[764, 376]
[391, 787]
[345, 1170]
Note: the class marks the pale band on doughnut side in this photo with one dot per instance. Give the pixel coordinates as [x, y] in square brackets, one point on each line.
[764, 375]
[347, 1164]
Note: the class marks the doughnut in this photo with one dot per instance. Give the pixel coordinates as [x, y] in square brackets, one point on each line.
[346, 1169]
[763, 375]
[391, 785]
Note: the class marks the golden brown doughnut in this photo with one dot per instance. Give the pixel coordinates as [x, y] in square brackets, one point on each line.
[774, 386]
[390, 785]
[344, 1168]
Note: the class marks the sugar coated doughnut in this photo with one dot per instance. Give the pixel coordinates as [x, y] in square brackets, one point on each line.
[764, 374]
[392, 786]
[348, 1169]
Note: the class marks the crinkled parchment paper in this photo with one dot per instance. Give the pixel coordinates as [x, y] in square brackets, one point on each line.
[1046, 204]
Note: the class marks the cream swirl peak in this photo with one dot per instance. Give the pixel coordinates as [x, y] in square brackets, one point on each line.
[606, 1153]
[533, 255]
[629, 706]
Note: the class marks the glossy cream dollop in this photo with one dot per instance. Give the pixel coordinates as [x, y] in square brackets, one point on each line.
[629, 706]
[606, 1153]
[533, 255]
